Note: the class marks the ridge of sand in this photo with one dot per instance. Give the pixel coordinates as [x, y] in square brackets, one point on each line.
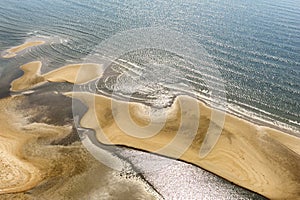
[69, 73]
[12, 52]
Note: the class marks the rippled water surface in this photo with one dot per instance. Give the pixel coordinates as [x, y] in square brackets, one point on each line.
[253, 44]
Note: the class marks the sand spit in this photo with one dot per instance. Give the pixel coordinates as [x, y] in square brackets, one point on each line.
[32, 167]
[12, 52]
[261, 159]
[32, 75]
[258, 158]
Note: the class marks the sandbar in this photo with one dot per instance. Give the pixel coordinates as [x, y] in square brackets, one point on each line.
[12, 52]
[258, 158]
[69, 73]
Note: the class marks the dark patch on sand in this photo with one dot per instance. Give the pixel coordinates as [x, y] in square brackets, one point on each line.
[69, 139]
[48, 108]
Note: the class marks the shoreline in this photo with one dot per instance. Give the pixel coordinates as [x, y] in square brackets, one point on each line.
[289, 129]
[257, 120]
[260, 121]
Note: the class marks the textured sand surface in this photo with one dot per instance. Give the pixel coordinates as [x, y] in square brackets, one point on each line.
[40, 159]
[261, 159]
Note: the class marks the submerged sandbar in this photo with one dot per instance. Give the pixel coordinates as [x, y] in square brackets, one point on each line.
[12, 52]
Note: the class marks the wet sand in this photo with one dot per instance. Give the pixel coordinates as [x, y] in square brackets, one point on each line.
[258, 158]
[12, 52]
[17, 174]
[39, 160]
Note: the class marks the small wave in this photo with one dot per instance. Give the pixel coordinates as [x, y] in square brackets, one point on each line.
[235, 109]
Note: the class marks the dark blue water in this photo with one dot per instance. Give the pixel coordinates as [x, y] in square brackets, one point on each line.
[254, 44]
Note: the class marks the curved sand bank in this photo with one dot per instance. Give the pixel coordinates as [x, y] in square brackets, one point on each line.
[261, 159]
[258, 158]
[12, 52]
[32, 75]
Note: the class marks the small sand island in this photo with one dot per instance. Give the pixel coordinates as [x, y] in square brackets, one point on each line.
[259, 158]
[32, 75]
[12, 52]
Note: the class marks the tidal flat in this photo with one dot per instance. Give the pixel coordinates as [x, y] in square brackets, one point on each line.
[43, 143]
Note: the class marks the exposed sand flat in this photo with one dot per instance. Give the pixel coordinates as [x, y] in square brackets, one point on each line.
[258, 158]
[69, 73]
[30, 78]
[12, 52]
[30, 161]
[17, 174]
[32, 75]
[261, 159]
